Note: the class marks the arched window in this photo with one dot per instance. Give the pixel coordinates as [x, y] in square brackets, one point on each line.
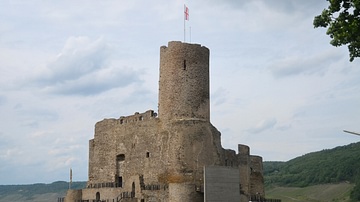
[97, 196]
[133, 190]
[120, 157]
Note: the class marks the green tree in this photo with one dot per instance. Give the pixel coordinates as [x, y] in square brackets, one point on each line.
[355, 193]
[342, 20]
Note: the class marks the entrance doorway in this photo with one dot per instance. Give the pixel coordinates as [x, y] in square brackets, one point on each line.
[119, 169]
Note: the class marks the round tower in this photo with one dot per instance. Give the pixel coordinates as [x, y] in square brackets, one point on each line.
[184, 82]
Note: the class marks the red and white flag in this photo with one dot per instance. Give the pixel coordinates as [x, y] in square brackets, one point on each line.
[186, 12]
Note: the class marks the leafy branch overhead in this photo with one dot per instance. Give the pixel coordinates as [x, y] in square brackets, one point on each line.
[342, 18]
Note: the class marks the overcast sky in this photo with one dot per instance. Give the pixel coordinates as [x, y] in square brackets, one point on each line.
[277, 84]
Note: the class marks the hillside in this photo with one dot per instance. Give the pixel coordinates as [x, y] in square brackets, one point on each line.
[339, 192]
[327, 175]
[327, 166]
[36, 192]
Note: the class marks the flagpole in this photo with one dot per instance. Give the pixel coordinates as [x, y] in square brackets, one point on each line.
[190, 34]
[70, 182]
[184, 21]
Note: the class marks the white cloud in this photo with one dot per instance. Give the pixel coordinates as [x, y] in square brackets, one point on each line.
[275, 80]
[82, 68]
[9, 154]
[80, 56]
[218, 97]
[304, 65]
[96, 82]
[2, 100]
[263, 125]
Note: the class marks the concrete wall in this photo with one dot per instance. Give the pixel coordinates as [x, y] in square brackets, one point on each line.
[221, 184]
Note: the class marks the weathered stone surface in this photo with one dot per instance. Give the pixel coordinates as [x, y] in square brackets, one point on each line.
[145, 157]
[184, 82]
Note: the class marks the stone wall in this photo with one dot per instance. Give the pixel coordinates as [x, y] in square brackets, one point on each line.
[146, 157]
[73, 195]
[126, 151]
[184, 82]
[151, 153]
[256, 176]
[244, 168]
[180, 192]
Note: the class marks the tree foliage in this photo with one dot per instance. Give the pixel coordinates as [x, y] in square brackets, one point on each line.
[328, 166]
[355, 193]
[342, 18]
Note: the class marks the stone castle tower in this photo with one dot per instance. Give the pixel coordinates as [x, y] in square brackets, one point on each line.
[184, 82]
[173, 157]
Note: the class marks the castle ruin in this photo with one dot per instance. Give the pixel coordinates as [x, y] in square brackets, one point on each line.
[175, 155]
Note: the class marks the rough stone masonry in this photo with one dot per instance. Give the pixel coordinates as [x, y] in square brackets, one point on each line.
[150, 157]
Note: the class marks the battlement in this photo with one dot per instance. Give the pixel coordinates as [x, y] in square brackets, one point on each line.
[179, 44]
[148, 115]
[256, 163]
[243, 149]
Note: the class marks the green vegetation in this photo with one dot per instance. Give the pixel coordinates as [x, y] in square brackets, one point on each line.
[355, 193]
[338, 165]
[317, 193]
[328, 166]
[342, 18]
[37, 192]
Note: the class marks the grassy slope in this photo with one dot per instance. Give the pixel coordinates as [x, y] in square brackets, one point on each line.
[316, 193]
[317, 176]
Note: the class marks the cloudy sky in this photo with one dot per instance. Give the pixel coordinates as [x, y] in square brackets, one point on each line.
[277, 84]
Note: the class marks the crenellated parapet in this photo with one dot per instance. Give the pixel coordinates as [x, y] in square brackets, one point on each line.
[137, 117]
[150, 114]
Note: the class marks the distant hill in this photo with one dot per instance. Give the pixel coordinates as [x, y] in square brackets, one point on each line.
[316, 176]
[37, 192]
[327, 166]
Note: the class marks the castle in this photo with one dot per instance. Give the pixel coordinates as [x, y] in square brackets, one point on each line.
[175, 155]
